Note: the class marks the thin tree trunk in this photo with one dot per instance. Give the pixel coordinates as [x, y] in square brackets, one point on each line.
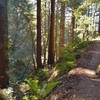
[99, 25]
[39, 48]
[73, 26]
[45, 32]
[62, 24]
[3, 44]
[51, 53]
[73, 20]
[57, 33]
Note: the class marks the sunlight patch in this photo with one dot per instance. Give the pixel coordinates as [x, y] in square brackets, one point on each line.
[97, 38]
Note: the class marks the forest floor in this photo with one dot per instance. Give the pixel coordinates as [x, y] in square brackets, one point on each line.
[83, 82]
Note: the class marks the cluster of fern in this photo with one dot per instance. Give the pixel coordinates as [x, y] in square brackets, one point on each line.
[70, 54]
[39, 85]
[43, 82]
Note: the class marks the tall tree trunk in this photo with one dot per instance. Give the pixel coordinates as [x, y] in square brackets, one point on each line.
[99, 25]
[73, 20]
[57, 33]
[62, 24]
[72, 26]
[51, 53]
[45, 34]
[3, 44]
[39, 48]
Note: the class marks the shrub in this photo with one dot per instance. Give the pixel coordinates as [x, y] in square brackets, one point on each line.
[67, 60]
[40, 90]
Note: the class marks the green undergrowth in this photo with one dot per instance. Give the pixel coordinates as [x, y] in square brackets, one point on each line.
[70, 54]
[40, 85]
[40, 90]
[45, 80]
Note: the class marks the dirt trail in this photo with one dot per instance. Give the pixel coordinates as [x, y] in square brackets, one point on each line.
[91, 57]
[82, 83]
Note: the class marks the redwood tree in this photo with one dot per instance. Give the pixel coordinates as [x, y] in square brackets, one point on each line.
[3, 44]
[72, 26]
[73, 21]
[62, 24]
[51, 35]
[74, 4]
[39, 48]
[99, 25]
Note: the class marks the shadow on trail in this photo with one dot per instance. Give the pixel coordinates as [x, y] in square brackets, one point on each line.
[91, 57]
[81, 83]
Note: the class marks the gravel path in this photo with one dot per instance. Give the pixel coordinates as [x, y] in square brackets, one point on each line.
[81, 83]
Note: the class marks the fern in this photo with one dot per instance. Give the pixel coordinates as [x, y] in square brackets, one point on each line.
[41, 90]
[48, 87]
[34, 85]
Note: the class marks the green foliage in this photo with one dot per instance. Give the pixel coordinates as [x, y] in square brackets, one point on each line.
[81, 45]
[85, 24]
[41, 90]
[98, 73]
[93, 1]
[41, 74]
[82, 9]
[22, 41]
[48, 87]
[16, 71]
[34, 84]
[67, 60]
[75, 4]
[25, 98]
[21, 24]
[40, 85]
[97, 37]
[69, 55]
[79, 48]
[65, 66]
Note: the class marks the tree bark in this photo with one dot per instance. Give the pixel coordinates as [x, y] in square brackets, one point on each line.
[73, 20]
[62, 24]
[3, 44]
[57, 32]
[72, 26]
[99, 26]
[51, 53]
[39, 48]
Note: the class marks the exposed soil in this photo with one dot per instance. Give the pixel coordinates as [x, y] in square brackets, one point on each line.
[81, 83]
[91, 57]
